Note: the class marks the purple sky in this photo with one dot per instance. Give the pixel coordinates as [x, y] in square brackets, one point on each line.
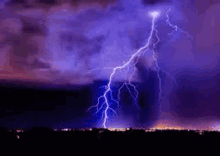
[78, 44]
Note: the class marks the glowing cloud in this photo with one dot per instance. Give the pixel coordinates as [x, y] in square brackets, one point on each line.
[154, 14]
[109, 101]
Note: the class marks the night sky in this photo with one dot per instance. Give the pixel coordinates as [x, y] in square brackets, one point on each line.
[55, 58]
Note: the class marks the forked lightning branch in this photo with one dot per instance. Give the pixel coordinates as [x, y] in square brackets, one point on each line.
[107, 96]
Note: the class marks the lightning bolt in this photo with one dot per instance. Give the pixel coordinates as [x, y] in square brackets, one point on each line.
[175, 27]
[108, 102]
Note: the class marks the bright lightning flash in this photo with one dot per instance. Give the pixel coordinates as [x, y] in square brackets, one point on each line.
[108, 102]
[154, 14]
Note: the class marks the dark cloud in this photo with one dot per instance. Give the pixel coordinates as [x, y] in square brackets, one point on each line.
[48, 2]
[39, 64]
[18, 1]
[153, 2]
[33, 26]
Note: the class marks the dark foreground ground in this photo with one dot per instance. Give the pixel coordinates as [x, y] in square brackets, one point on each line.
[99, 141]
